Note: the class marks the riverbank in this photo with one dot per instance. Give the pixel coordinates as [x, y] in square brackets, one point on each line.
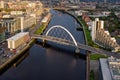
[43, 26]
[15, 58]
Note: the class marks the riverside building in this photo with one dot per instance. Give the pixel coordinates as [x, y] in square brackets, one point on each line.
[109, 68]
[17, 23]
[18, 41]
[103, 37]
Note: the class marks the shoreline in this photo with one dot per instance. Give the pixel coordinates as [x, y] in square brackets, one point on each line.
[15, 58]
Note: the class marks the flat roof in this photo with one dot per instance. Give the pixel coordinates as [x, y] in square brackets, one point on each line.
[44, 20]
[106, 74]
[17, 36]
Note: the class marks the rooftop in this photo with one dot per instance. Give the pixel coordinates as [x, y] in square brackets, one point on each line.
[105, 69]
[17, 36]
[110, 68]
[114, 65]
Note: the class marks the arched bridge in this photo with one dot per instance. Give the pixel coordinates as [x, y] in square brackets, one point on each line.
[50, 36]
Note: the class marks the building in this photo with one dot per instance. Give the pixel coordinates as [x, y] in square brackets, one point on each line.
[2, 34]
[2, 4]
[16, 23]
[105, 1]
[102, 37]
[87, 5]
[16, 12]
[27, 22]
[109, 69]
[46, 19]
[75, 1]
[9, 23]
[81, 12]
[17, 0]
[17, 42]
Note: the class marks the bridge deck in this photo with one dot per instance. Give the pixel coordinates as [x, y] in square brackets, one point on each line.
[79, 45]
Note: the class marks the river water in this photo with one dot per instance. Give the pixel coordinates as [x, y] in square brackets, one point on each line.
[54, 61]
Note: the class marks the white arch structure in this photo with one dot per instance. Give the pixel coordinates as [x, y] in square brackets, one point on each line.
[58, 26]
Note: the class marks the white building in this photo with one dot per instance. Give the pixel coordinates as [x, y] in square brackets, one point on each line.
[102, 37]
[18, 41]
[95, 26]
[80, 12]
[8, 23]
[2, 4]
[27, 22]
[16, 12]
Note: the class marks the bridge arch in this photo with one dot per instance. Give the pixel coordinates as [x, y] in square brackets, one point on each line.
[58, 26]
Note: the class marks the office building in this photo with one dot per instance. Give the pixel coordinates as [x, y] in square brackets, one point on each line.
[27, 22]
[18, 41]
[109, 68]
[9, 23]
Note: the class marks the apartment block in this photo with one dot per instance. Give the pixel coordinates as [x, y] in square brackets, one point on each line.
[102, 37]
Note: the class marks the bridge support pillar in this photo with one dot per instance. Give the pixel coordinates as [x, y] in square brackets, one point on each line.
[77, 51]
[43, 42]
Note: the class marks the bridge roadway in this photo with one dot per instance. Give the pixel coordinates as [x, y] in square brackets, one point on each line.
[79, 45]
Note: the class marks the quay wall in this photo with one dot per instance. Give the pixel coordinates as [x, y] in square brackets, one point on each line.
[15, 58]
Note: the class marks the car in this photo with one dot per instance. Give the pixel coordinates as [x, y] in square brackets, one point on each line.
[9, 55]
[2, 50]
[3, 43]
[4, 56]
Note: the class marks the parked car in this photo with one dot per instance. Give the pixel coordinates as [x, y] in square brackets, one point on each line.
[2, 50]
[9, 55]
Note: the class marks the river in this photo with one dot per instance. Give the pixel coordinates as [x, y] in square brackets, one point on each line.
[54, 61]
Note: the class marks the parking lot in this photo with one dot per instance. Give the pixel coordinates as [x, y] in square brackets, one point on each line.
[5, 53]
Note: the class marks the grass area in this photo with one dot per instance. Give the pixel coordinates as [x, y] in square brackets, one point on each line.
[87, 33]
[91, 75]
[97, 56]
[85, 27]
[41, 29]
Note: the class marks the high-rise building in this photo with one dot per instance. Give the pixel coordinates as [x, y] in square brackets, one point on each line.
[102, 37]
[97, 24]
[2, 4]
